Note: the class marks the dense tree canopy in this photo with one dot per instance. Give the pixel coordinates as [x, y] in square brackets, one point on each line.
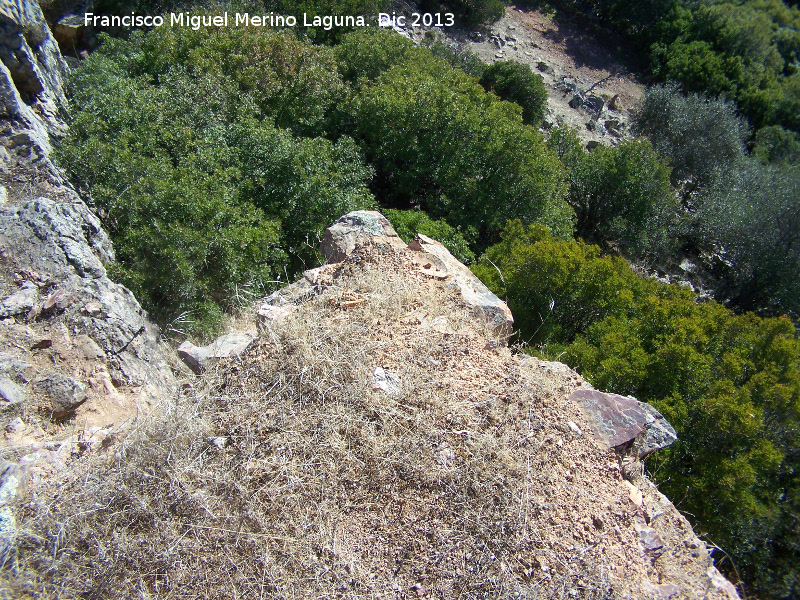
[177, 138]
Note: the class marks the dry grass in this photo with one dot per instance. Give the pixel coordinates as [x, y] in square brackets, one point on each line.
[286, 475]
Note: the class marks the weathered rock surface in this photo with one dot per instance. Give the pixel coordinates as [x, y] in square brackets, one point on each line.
[359, 228]
[200, 358]
[356, 229]
[476, 295]
[618, 420]
[72, 342]
[31, 86]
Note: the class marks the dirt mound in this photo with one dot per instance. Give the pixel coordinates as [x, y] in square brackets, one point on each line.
[378, 440]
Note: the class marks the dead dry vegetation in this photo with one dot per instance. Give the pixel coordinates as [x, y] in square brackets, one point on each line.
[287, 473]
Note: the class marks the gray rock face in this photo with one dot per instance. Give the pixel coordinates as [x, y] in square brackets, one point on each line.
[618, 420]
[64, 392]
[57, 238]
[355, 229]
[31, 84]
[20, 302]
[66, 246]
[200, 358]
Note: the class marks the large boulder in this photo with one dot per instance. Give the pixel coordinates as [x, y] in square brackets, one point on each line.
[356, 229]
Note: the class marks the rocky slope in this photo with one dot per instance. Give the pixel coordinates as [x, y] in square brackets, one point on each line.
[78, 356]
[379, 390]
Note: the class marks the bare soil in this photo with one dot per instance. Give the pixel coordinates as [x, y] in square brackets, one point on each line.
[564, 53]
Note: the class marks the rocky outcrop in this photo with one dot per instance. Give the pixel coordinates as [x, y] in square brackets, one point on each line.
[361, 228]
[435, 258]
[200, 358]
[356, 229]
[622, 421]
[72, 342]
[31, 86]
[387, 327]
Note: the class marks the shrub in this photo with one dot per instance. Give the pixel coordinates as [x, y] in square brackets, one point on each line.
[408, 223]
[438, 140]
[555, 289]
[459, 56]
[699, 136]
[752, 215]
[515, 82]
[368, 55]
[777, 145]
[621, 196]
[198, 188]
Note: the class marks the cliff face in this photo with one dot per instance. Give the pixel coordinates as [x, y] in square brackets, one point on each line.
[31, 88]
[78, 357]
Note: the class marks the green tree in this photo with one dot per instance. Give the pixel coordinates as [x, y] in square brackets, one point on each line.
[437, 140]
[699, 136]
[180, 140]
[408, 223]
[621, 196]
[515, 82]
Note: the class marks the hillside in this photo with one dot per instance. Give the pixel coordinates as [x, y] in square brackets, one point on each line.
[363, 428]
[377, 439]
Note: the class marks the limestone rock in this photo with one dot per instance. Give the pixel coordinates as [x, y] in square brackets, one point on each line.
[269, 314]
[19, 302]
[10, 393]
[64, 392]
[356, 229]
[385, 381]
[476, 295]
[618, 420]
[31, 83]
[200, 358]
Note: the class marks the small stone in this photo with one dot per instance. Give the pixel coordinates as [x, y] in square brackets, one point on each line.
[634, 494]
[269, 314]
[20, 302]
[200, 358]
[93, 308]
[15, 425]
[64, 391]
[10, 393]
[385, 381]
[574, 428]
[42, 344]
[650, 542]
